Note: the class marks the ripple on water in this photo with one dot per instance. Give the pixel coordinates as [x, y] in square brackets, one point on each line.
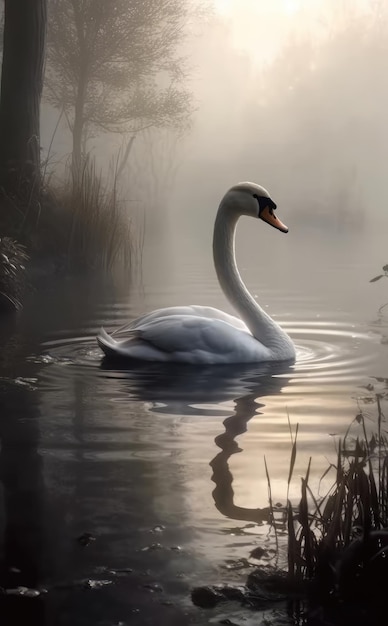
[325, 351]
[331, 351]
[99, 426]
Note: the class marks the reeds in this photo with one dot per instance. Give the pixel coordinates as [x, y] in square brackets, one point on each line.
[338, 543]
[81, 223]
[99, 230]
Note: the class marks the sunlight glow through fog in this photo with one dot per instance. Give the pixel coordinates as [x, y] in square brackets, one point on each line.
[260, 27]
[283, 6]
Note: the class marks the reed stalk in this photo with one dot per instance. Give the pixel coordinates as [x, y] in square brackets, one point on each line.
[343, 535]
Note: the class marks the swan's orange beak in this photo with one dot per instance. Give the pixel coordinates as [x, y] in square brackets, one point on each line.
[269, 216]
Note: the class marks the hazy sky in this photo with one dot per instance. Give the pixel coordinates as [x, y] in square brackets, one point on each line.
[261, 27]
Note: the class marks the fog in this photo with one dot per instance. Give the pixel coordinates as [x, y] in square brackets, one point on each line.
[140, 140]
[293, 96]
[309, 123]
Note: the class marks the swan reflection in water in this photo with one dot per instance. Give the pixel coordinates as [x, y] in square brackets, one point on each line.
[181, 390]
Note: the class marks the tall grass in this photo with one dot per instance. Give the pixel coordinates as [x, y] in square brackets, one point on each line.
[339, 542]
[81, 223]
[100, 234]
[77, 225]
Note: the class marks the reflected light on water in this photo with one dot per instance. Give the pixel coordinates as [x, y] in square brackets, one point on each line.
[124, 450]
[253, 402]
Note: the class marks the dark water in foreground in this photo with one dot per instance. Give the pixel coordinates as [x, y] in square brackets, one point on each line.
[164, 466]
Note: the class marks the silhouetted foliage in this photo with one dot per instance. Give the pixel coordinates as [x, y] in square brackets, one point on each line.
[12, 259]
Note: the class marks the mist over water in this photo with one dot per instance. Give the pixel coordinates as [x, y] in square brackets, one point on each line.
[307, 122]
[164, 464]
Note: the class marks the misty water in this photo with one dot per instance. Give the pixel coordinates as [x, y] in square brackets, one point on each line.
[164, 466]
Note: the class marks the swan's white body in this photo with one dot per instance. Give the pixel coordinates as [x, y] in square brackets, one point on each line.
[205, 335]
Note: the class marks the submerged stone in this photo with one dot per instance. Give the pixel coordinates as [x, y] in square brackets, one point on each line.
[25, 592]
[85, 539]
[206, 597]
[209, 596]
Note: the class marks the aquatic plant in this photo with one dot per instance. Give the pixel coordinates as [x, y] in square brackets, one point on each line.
[76, 223]
[12, 259]
[337, 548]
[375, 279]
[339, 542]
[99, 234]
[385, 275]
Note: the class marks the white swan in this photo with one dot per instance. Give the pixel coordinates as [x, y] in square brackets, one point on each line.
[204, 335]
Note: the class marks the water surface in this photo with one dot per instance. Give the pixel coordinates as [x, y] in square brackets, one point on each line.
[164, 466]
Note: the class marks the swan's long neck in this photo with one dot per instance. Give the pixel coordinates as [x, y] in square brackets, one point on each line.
[261, 325]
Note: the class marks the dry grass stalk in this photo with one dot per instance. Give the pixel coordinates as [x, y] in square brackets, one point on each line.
[338, 543]
[343, 536]
[100, 234]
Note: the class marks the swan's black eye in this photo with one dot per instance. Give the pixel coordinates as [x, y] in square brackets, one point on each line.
[265, 202]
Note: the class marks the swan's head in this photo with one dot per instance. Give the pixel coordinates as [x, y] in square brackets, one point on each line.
[253, 200]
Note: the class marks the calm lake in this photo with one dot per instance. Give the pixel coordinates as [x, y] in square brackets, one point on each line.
[121, 489]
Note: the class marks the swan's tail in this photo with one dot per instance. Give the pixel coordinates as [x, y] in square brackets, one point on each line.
[107, 344]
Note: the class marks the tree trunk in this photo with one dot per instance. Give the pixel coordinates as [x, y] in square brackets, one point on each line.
[79, 120]
[21, 89]
[78, 128]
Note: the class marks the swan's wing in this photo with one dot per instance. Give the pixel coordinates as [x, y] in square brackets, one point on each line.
[131, 348]
[207, 312]
[189, 339]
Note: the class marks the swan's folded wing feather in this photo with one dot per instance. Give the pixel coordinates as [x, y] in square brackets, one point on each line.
[193, 310]
[195, 339]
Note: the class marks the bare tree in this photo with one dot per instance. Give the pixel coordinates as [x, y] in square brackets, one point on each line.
[21, 88]
[114, 66]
